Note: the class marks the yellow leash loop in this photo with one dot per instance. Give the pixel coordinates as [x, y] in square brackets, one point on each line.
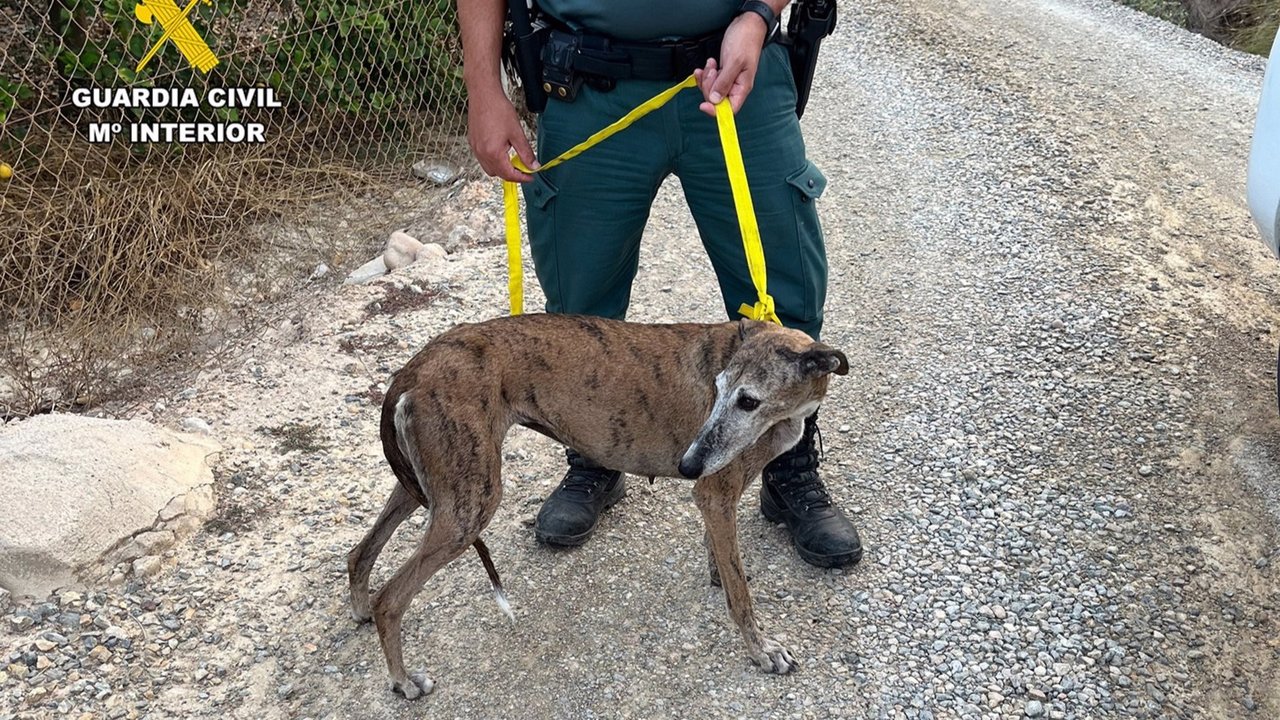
[764, 307]
[515, 265]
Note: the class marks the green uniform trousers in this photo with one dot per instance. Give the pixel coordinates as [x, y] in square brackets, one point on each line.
[586, 216]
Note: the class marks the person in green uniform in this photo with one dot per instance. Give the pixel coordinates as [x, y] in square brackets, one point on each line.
[586, 216]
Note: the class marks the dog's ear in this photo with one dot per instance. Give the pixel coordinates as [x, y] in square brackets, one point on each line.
[821, 359]
[748, 327]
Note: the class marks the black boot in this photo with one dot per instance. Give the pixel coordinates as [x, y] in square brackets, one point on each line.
[792, 493]
[569, 515]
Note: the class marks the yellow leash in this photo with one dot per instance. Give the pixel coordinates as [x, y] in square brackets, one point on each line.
[764, 307]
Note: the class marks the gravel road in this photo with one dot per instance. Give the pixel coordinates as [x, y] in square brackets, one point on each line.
[1059, 436]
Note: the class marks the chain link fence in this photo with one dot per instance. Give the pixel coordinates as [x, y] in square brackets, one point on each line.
[140, 140]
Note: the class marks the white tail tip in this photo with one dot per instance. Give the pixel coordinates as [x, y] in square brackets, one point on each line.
[505, 606]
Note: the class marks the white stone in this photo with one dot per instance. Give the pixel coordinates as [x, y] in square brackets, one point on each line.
[196, 425]
[402, 249]
[146, 566]
[375, 268]
[74, 486]
[154, 542]
[432, 251]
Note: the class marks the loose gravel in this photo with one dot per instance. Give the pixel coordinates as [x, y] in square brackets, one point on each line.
[1058, 438]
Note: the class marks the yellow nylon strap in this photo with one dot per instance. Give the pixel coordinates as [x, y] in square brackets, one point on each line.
[511, 196]
[764, 307]
[515, 266]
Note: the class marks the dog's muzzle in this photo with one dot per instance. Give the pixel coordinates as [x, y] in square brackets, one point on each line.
[694, 461]
[690, 468]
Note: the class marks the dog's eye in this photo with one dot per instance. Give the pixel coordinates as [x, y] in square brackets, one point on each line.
[748, 403]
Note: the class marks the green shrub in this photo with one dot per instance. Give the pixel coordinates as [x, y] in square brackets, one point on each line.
[11, 93]
[100, 42]
[1259, 36]
[1248, 25]
[368, 57]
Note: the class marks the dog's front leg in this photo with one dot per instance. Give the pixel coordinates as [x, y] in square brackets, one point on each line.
[717, 498]
[712, 570]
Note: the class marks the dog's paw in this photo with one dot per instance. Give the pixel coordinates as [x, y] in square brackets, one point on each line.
[419, 684]
[773, 658]
[361, 606]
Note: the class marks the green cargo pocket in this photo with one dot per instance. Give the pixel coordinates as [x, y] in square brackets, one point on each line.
[540, 192]
[809, 181]
[810, 252]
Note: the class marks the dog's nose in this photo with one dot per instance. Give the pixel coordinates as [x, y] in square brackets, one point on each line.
[690, 468]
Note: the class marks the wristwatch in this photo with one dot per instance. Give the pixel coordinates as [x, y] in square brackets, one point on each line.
[771, 20]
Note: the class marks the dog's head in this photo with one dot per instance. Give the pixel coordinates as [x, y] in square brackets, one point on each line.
[777, 375]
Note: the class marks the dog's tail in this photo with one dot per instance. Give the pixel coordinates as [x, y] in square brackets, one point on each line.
[397, 444]
[494, 580]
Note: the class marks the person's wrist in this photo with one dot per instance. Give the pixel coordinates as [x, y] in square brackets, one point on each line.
[485, 94]
[754, 22]
[482, 81]
[760, 16]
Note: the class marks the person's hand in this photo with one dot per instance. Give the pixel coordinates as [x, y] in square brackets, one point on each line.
[735, 75]
[494, 130]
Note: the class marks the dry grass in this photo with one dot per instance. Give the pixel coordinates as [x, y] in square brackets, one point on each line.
[122, 261]
[1258, 37]
[1248, 25]
[110, 263]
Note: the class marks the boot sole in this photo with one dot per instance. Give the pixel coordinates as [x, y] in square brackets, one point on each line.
[780, 516]
[614, 497]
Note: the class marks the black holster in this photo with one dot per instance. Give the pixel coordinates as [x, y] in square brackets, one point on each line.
[523, 38]
[810, 22]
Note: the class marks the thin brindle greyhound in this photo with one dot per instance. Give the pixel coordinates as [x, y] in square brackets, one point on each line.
[713, 402]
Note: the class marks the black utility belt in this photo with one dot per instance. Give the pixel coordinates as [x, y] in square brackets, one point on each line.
[570, 59]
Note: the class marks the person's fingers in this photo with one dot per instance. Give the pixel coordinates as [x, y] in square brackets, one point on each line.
[496, 158]
[741, 88]
[708, 79]
[723, 82]
[525, 151]
[496, 162]
[507, 171]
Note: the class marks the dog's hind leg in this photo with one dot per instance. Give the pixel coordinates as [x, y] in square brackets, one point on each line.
[454, 527]
[717, 497]
[400, 505]
[443, 542]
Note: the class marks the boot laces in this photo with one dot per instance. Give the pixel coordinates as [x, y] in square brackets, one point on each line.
[804, 488]
[584, 483]
[796, 471]
[583, 480]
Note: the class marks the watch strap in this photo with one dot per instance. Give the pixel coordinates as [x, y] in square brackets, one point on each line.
[771, 19]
